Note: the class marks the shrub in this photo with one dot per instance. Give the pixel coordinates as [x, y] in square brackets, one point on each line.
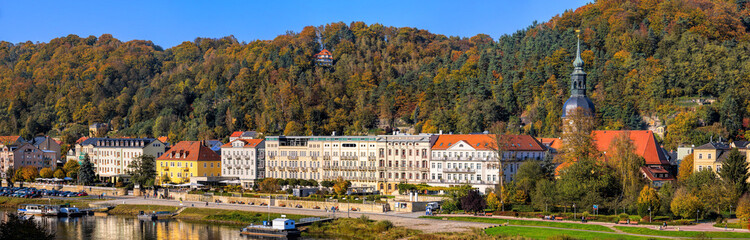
[623, 216]
[383, 226]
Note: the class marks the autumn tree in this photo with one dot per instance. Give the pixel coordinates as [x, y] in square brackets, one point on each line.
[577, 141]
[743, 211]
[29, 173]
[648, 200]
[46, 173]
[628, 164]
[269, 185]
[499, 145]
[10, 176]
[685, 204]
[59, 173]
[71, 169]
[493, 202]
[341, 186]
[686, 168]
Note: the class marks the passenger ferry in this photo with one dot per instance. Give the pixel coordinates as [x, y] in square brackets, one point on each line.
[39, 210]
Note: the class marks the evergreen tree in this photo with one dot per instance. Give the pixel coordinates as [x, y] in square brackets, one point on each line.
[17, 227]
[86, 175]
[734, 171]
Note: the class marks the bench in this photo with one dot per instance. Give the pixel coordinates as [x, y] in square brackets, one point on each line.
[559, 218]
[489, 214]
[633, 223]
[622, 222]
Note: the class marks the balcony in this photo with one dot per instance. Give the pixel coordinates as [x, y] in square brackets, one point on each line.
[327, 158]
[293, 157]
[185, 169]
[371, 158]
[349, 158]
[314, 158]
[459, 170]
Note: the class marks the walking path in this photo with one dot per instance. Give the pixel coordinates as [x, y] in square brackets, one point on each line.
[701, 227]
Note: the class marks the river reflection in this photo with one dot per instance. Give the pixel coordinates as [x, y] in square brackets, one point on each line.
[120, 227]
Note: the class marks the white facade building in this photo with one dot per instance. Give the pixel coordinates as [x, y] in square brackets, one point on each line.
[245, 160]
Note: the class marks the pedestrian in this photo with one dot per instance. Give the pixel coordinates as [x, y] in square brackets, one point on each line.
[206, 204]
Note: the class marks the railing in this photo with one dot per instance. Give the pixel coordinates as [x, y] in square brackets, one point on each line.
[328, 158]
[458, 170]
[371, 158]
[292, 157]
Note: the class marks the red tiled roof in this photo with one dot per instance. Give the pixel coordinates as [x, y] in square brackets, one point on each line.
[487, 142]
[5, 140]
[651, 171]
[644, 141]
[236, 134]
[190, 151]
[249, 143]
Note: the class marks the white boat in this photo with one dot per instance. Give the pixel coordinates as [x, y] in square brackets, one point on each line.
[38, 210]
[70, 211]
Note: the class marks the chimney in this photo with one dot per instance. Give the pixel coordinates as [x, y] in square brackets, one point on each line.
[333, 133]
[440, 132]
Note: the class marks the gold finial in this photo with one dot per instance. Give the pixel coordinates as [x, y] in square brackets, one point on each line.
[578, 33]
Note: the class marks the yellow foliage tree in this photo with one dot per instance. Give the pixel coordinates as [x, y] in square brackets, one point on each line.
[340, 186]
[59, 173]
[743, 211]
[648, 198]
[686, 168]
[29, 173]
[46, 173]
[492, 201]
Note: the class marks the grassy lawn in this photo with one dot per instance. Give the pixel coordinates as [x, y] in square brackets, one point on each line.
[544, 233]
[230, 216]
[13, 202]
[529, 223]
[127, 209]
[647, 231]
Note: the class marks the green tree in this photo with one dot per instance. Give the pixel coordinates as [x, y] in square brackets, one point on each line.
[327, 183]
[17, 227]
[269, 185]
[734, 171]
[544, 195]
[528, 174]
[627, 164]
[86, 172]
[10, 174]
[142, 170]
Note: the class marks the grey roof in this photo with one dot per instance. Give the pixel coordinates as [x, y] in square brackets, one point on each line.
[714, 145]
[112, 142]
[578, 101]
[741, 144]
[722, 156]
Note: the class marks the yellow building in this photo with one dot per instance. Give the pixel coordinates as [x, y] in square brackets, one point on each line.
[187, 159]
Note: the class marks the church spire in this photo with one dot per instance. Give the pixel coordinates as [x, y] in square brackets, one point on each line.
[578, 63]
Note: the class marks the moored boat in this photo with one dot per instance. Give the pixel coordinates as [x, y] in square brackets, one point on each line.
[38, 210]
[70, 211]
[281, 228]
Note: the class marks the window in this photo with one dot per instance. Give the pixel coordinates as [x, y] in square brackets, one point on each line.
[709, 156]
[700, 156]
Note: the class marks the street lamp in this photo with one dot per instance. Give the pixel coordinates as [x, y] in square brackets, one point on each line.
[502, 205]
[649, 213]
[697, 213]
[575, 216]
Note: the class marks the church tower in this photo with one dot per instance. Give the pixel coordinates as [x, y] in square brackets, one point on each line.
[578, 98]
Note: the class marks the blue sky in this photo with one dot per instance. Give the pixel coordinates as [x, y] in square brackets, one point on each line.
[169, 23]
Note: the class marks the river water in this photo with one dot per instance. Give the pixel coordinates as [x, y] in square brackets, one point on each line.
[127, 227]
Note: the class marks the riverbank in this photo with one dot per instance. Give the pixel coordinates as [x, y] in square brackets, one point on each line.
[204, 215]
[13, 202]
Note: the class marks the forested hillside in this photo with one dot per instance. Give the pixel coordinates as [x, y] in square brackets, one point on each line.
[643, 58]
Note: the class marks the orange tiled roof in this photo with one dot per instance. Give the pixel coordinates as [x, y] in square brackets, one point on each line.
[324, 52]
[487, 142]
[236, 134]
[249, 143]
[5, 140]
[162, 139]
[651, 171]
[555, 143]
[644, 141]
[190, 151]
